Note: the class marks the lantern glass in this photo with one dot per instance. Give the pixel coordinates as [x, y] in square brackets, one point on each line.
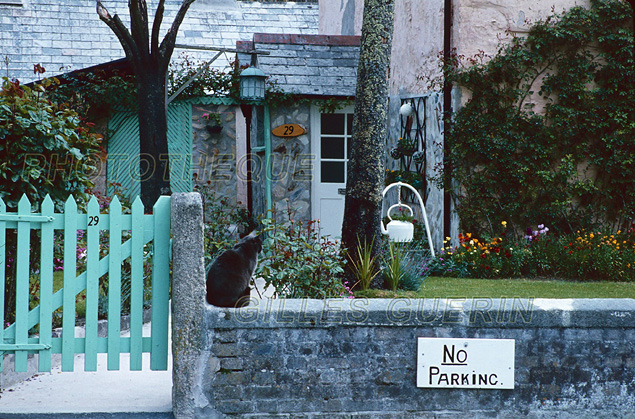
[252, 84]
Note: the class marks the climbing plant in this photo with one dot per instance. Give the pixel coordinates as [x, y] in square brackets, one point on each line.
[569, 163]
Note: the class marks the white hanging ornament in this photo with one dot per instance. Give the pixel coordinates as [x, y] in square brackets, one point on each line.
[398, 230]
[406, 110]
[403, 231]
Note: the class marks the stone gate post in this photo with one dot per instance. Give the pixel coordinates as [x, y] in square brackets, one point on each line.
[188, 303]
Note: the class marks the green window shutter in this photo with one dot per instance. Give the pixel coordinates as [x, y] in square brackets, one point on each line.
[123, 150]
[123, 153]
[180, 146]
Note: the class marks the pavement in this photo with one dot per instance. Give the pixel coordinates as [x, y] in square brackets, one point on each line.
[103, 394]
[95, 395]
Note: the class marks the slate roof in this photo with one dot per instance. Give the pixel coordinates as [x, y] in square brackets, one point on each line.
[67, 35]
[314, 65]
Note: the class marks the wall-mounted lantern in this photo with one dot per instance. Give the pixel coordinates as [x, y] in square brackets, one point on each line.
[252, 88]
[252, 84]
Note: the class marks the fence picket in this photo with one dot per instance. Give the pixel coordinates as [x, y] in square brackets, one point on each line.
[160, 284]
[22, 285]
[70, 277]
[142, 228]
[3, 261]
[46, 285]
[92, 283]
[136, 287]
[114, 286]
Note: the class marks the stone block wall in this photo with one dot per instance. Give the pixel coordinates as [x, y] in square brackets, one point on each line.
[67, 35]
[214, 153]
[357, 358]
[292, 163]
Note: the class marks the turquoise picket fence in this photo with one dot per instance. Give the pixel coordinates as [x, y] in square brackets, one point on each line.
[32, 331]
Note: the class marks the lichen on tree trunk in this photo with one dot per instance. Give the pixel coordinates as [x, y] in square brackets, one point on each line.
[366, 171]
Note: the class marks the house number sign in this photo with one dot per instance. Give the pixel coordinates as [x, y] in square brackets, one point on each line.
[288, 130]
[465, 363]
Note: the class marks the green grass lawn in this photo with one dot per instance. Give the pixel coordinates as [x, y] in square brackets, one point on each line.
[521, 288]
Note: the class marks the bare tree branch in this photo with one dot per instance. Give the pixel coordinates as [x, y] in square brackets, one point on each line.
[167, 45]
[120, 30]
[139, 26]
[156, 26]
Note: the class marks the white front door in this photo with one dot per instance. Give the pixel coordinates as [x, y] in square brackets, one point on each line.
[330, 141]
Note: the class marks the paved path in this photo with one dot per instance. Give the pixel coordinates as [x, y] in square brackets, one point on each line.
[100, 394]
[96, 395]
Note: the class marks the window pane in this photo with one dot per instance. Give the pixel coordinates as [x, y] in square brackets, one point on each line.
[332, 172]
[349, 123]
[332, 148]
[332, 123]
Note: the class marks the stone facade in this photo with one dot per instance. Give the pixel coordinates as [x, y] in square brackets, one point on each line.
[291, 168]
[357, 358]
[214, 153]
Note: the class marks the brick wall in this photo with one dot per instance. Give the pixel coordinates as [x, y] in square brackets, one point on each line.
[67, 35]
[357, 358]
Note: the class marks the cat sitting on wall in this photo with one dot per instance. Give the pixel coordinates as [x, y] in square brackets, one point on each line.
[229, 275]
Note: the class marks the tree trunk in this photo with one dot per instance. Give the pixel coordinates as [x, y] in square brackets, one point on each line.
[149, 60]
[366, 164]
[153, 130]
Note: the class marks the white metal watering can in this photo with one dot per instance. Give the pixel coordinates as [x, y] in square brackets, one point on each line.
[403, 231]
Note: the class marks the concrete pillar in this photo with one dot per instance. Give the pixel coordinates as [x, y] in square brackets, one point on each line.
[188, 303]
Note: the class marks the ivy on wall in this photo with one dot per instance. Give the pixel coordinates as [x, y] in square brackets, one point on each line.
[569, 165]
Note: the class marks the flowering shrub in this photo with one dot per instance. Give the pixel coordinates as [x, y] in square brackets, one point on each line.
[581, 256]
[299, 263]
[479, 258]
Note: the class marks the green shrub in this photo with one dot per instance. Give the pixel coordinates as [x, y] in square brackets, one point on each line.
[44, 148]
[298, 263]
[363, 264]
[569, 165]
[223, 224]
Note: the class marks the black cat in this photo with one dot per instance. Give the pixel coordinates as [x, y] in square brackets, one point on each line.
[229, 275]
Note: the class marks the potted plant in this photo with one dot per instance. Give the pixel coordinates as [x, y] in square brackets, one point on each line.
[212, 122]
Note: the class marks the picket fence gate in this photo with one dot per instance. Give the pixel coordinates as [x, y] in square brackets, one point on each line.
[142, 229]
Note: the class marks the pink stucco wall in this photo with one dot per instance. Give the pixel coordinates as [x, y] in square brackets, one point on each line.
[478, 25]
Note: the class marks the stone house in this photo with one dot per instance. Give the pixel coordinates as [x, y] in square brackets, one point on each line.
[308, 170]
[313, 49]
[68, 36]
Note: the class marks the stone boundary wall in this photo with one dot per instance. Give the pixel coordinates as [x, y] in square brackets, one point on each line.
[356, 358]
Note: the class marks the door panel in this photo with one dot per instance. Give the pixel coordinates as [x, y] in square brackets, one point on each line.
[331, 145]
